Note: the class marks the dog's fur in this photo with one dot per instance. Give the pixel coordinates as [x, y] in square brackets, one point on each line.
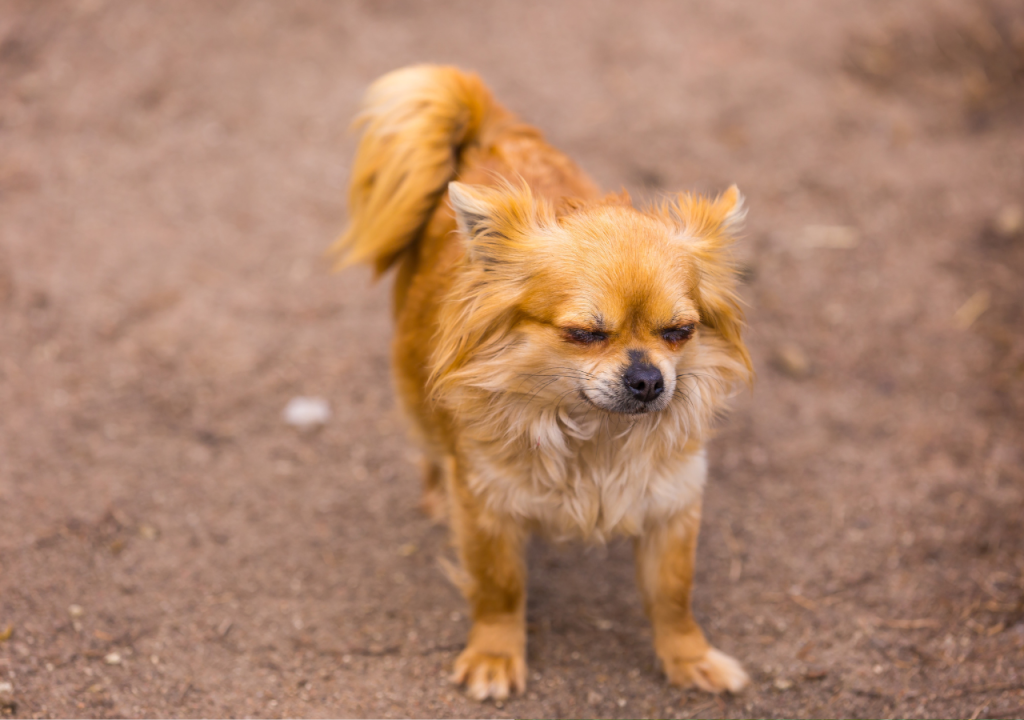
[534, 320]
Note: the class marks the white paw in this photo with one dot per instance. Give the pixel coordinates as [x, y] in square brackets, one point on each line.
[490, 676]
[715, 672]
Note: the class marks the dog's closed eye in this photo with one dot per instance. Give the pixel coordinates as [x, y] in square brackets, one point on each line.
[582, 336]
[678, 334]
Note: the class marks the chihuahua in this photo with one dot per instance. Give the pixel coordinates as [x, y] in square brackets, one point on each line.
[561, 354]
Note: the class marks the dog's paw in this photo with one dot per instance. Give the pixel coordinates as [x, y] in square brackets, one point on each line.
[488, 675]
[715, 672]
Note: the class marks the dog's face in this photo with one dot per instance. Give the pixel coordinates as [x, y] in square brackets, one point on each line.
[613, 306]
[605, 306]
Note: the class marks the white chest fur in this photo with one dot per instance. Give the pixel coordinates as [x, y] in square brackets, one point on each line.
[605, 483]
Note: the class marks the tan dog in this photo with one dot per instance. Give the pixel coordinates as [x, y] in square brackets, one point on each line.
[561, 354]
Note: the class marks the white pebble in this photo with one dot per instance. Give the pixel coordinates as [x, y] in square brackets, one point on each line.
[305, 412]
[113, 659]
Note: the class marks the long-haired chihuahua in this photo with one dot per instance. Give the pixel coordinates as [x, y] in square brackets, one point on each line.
[560, 352]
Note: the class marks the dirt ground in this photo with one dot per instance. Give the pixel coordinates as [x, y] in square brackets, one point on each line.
[170, 175]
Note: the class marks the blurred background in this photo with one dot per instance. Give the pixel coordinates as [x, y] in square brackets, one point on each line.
[171, 174]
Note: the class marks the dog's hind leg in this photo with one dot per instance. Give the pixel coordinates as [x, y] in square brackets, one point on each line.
[665, 557]
[434, 501]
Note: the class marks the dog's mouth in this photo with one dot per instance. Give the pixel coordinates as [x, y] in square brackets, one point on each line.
[634, 408]
[624, 406]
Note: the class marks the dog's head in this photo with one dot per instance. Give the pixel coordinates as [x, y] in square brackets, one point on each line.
[598, 305]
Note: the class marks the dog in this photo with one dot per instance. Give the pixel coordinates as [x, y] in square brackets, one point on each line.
[560, 352]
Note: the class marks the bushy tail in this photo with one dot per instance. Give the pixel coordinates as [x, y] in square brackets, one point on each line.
[414, 123]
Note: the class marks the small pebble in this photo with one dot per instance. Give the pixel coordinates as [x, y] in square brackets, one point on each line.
[148, 532]
[6, 687]
[76, 611]
[972, 309]
[594, 698]
[113, 658]
[1009, 221]
[792, 360]
[783, 684]
[307, 412]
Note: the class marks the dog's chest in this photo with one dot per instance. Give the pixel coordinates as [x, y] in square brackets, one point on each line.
[594, 489]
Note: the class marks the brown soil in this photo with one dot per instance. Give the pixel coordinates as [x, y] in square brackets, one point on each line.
[170, 174]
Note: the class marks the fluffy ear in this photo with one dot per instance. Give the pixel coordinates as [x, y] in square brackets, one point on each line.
[707, 226]
[470, 206]
[732, 209]
[497, 223]
[502, 228]
[702, 217]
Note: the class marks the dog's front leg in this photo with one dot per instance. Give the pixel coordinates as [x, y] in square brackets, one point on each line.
[494, 583]
[665, 556]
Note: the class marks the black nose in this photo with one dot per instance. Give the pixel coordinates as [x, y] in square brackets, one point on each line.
[644, 381]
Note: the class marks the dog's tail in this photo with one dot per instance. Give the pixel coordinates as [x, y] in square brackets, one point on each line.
[415, 122]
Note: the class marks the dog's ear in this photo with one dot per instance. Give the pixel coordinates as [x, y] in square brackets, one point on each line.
[498, 224]
[708, 227]
[502, 229]
[731, 209]
[471, 208]
[702, 218]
